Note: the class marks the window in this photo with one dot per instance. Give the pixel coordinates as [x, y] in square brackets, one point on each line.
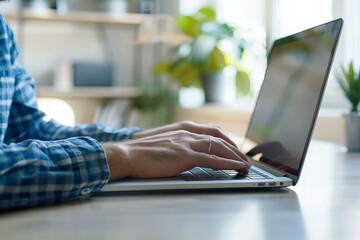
[279, 18]
[290, 16]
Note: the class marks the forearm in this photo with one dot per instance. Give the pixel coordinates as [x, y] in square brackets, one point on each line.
[33, 126]
[27, 122]
[52, 130]
[34, 173]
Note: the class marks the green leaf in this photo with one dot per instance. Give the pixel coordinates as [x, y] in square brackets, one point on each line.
[340, 76]
[351, 74]
[349, 82]
[218, 30]
[189, 25]
[358, 83]
[216, 61]
[206, 14]
[161, 68]
[184, 72]
[242, 83]
[227, 30]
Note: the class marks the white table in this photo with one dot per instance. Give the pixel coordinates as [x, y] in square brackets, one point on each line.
[322, 206]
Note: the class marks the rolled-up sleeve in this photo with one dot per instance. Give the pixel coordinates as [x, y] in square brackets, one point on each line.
[35, 173]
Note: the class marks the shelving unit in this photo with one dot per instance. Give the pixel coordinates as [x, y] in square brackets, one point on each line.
[86, 100]
[95, 19]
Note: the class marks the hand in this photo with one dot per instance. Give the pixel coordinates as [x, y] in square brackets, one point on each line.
[170, 153]
[212, 130]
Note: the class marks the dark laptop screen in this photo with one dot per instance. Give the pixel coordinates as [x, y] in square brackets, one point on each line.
[288, 102]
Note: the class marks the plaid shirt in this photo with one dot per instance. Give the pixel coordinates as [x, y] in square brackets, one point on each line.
[43, 162]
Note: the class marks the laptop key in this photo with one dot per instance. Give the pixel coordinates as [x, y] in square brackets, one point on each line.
[240, 177]
[222, 177]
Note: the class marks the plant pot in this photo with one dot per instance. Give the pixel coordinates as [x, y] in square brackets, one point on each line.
[219, 87]
[353, 132]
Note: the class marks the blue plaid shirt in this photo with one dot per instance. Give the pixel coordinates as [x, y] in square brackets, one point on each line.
[43, 162]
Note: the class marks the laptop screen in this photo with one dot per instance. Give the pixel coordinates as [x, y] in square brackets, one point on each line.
[288, 102]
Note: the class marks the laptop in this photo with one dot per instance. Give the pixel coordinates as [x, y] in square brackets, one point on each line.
[282, 122]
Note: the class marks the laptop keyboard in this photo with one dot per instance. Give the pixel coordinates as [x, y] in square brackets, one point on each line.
[206, 174]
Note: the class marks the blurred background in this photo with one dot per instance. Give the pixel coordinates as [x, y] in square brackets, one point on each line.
[112, 61]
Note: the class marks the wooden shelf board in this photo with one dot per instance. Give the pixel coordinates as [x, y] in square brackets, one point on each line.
[79, 17]
[89, 92]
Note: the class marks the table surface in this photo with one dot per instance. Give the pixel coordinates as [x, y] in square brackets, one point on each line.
[324, 205]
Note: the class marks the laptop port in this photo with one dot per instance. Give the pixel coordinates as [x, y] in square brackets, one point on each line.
[272, 184]
[261, 184]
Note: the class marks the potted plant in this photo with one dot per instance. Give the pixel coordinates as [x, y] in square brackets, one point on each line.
[210, 57]
[349, 82]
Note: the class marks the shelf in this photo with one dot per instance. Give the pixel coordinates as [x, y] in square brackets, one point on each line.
[89, 92]
[131, 19]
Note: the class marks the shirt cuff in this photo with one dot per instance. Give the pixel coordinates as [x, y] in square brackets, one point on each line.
[97, 168]
[126, 133]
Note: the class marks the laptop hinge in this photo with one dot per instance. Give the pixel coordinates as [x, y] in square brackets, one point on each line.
[270, 169]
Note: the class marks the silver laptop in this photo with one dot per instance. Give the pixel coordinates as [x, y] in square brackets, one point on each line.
[280, 130]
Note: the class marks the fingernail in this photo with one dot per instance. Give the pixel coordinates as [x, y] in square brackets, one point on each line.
[245, 171]
[247, 164]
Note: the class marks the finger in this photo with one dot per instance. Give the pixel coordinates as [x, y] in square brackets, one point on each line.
[219, 146]
[215, 131]
[216, 162]
[159, 130]
[203, 129]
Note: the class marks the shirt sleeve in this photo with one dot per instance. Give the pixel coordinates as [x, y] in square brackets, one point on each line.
[35, 173]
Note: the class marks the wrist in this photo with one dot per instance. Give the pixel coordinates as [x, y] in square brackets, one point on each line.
[117, 160]
[135, 133]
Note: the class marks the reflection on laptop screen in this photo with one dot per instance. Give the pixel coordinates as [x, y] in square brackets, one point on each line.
[288, 102]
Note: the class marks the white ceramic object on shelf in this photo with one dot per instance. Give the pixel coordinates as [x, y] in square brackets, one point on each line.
[114, 6]
[39, 5]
